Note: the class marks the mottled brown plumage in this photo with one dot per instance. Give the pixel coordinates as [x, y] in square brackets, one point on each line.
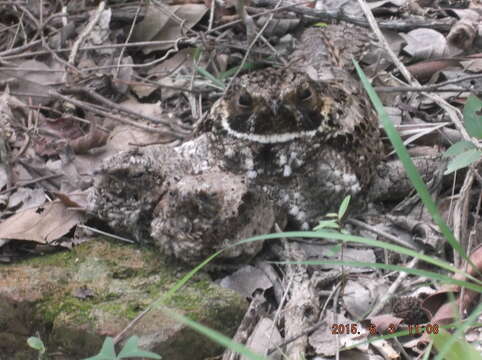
[283, 145]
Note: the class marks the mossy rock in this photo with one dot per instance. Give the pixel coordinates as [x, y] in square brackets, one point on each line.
[74, 299]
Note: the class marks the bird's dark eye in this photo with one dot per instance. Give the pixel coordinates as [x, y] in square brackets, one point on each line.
[245, 99]
[304, 94]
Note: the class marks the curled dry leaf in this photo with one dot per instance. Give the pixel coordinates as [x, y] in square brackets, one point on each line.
[42, 224]
[246, 281]
[164, 25]
[93, 139]
[32, 78]
[277, 27]
[462, 34]
[427, 44]
[424, 70]
[264, 335]
[440, 306]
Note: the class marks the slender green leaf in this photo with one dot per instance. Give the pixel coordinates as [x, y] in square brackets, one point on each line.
[424, 273]
[458, 349]
[246, 67]
[139, 353]
[343, 207]
[184, 280]
[196, 54]
[452, 346]
[458, 148]
[473, 116]
[324, 234]
[36, 343]
[463, 160]
[407, 162]
[210, 77]
[324, 224]
[335, 249]
[215, 336]
[320, 24]
[427, 352]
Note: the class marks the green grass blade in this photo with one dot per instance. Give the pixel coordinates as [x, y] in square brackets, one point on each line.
[424, 273]
[410, 168]
[210, 77]
[321, 234]
[215, 336]
[451, 346]
[246, 67]
[184, 280]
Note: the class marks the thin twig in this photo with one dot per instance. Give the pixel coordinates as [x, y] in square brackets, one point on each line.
[245, 58]
[97, 231]
[90, 107]
[389, 294]
[30, 182]
[128, 37]
[389, 89]
[83, 35]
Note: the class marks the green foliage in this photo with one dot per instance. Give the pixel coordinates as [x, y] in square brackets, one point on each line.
[451, 346]
[215, 336]
[333, 220]
[458, 349]
[408, 164]
[220, 79]
[130, 350]
[211, 77]
[37, 344]
[463, 160]
[320, 24]
[464, 153]
[473, 116]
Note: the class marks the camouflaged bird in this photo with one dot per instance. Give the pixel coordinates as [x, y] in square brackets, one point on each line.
[284, 145]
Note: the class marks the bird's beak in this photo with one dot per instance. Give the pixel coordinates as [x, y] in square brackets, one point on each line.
[275, 105]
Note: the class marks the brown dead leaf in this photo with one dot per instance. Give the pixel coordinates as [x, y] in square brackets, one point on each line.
[264, 335]
[424, 70]
[473, 65]
[42, 224]
[93, 139]
[60, 130]
[34, 78]
[26, 198]
[427, 44]
[246, 281]
[440, 305]
[277, 27]
[77, 200]
[165, 24]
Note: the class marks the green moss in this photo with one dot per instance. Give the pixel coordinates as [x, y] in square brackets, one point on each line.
[74, 308]
[124, 280]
